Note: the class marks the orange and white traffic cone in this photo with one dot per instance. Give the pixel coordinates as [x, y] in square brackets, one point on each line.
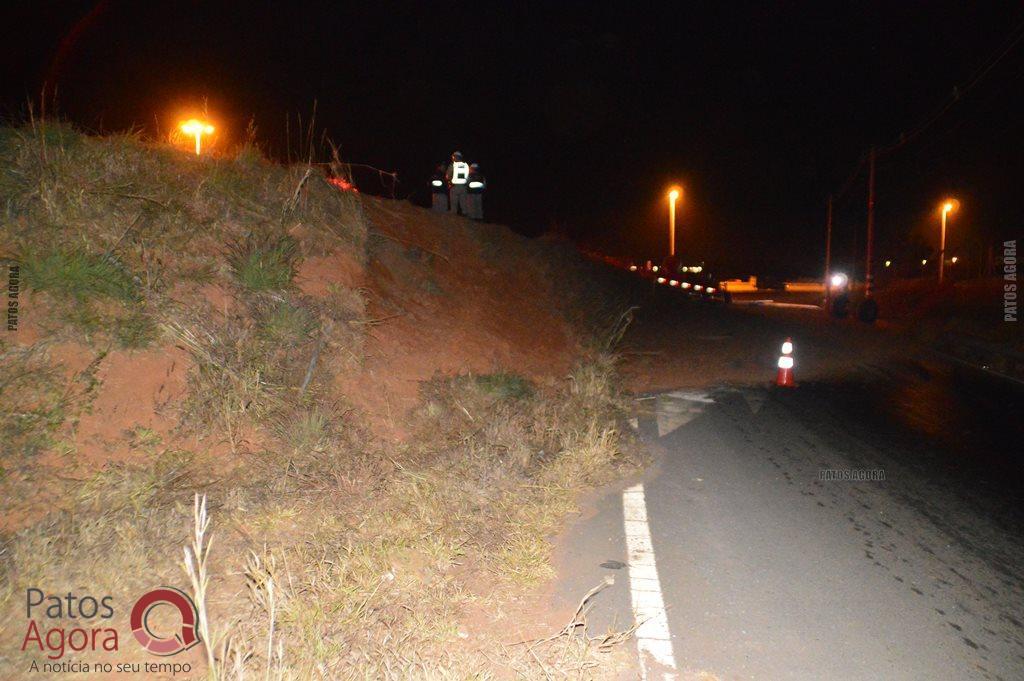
[785, 376]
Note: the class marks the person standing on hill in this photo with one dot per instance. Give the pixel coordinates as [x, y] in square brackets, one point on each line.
[475, 189]
[458, 176]
[438, 190]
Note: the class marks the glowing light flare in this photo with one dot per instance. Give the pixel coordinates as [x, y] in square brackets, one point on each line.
[888, 263]
[194, 127]
[673, 282]
[954, 259]
[673, 196]
[661, 280]
[924, 261]
[838, 280]
[343, 185]
[632, 268]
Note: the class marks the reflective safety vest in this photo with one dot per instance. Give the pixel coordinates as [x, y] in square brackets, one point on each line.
[476, 184]
[438, 185]
[460, 172]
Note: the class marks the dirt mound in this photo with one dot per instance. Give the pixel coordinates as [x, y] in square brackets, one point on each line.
[229, 329]
[199, 304]
[450, 296]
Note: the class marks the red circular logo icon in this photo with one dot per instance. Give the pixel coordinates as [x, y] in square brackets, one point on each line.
[186, 637]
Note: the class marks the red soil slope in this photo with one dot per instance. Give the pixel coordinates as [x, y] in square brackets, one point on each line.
[446, 296]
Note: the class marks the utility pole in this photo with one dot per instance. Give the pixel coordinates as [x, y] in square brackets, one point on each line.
[828, 257]
[868, 276]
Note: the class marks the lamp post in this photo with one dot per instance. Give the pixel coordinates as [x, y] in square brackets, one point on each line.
[673, 196]
[947, 208]
[196, 128]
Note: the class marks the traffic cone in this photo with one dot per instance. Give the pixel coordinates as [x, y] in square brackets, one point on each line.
[785, 376]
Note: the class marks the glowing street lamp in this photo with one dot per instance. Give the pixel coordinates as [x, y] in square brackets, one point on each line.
[947, 207]
[196, 128]
[673, 196]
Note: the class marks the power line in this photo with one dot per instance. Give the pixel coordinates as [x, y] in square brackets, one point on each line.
[959, 92]
[851, 179]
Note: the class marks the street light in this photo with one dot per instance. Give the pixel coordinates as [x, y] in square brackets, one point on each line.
[947, 207]
[196, 128]
[673, 196]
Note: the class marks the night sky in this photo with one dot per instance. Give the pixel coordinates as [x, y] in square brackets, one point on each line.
[582, 114]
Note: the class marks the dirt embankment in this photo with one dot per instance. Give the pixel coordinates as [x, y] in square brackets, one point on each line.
[448, 296]
[414, 296]
[383, 410]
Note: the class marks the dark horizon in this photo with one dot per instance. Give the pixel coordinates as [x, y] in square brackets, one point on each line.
[582, 119]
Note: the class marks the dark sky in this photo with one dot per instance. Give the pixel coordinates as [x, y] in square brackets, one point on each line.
[582, 114]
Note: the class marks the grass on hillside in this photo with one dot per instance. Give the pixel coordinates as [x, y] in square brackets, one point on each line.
[115, 230]
[356, 561]
[334, 554]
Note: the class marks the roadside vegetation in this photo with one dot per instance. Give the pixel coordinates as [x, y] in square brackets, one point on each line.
[314, 548]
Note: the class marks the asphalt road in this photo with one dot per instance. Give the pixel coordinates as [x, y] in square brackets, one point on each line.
[768, 571]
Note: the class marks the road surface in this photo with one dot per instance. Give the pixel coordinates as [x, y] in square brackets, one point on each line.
[767, 569]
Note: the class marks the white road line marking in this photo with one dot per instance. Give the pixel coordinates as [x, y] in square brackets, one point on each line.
[653, 637]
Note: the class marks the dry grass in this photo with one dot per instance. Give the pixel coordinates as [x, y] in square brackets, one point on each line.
[320, 551]
[355, 563]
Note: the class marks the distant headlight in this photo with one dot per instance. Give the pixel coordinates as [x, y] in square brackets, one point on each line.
[661, 280]
[839, 280]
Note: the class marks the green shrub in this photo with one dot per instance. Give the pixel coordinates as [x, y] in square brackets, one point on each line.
[78, 275]
[287, 323]
[137, 330]
[263, 264]
[505, 386]
[306, 431]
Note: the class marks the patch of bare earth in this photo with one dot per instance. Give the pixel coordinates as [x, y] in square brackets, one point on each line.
[442, 302]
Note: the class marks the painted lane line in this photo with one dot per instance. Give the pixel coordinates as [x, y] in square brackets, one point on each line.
[653, 638]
